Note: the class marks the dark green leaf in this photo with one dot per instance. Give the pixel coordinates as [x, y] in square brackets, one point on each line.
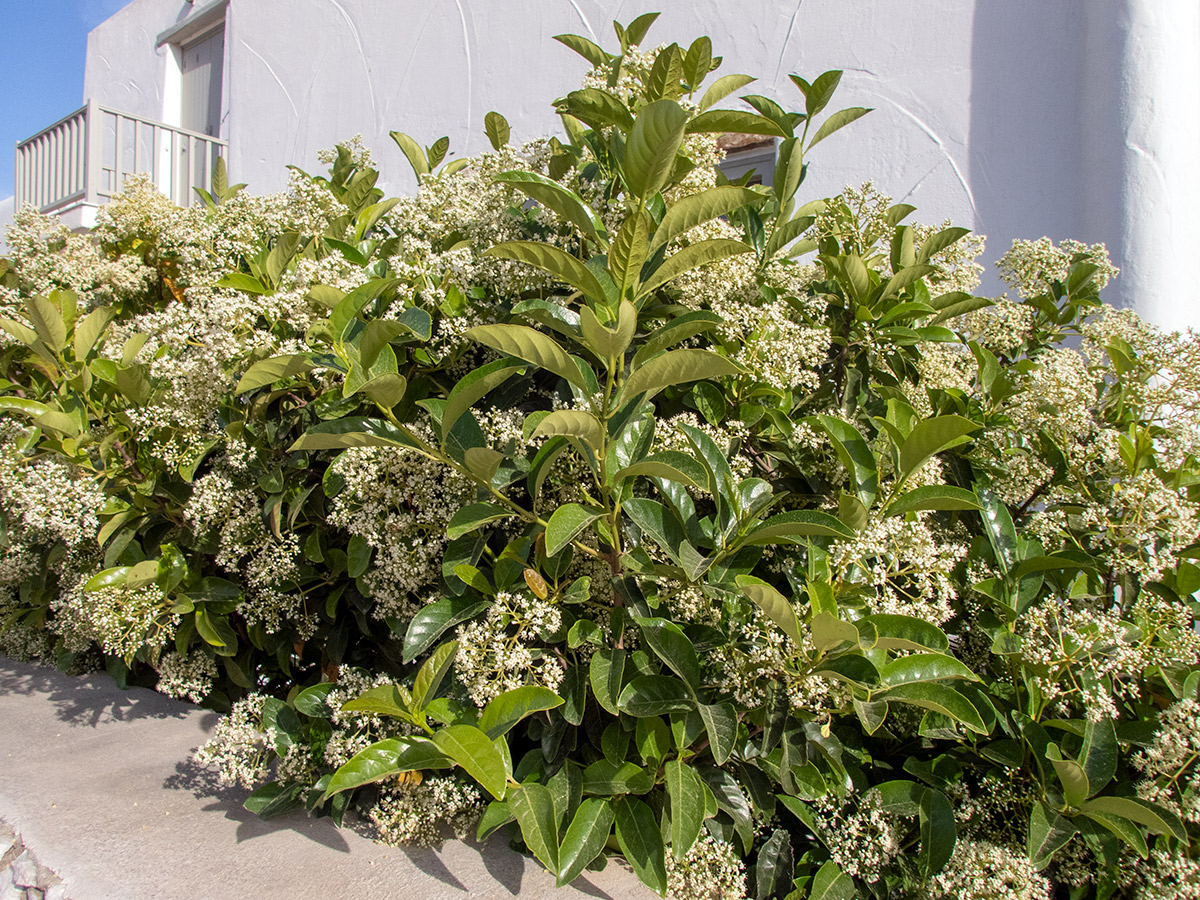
[474, 751]
[533, 806]
[609, 778]
[432, 621]
[585, 838]
[654, 695]
[641, 842]
[505, 711]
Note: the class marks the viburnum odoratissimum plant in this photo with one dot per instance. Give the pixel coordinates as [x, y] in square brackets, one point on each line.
[590, 497]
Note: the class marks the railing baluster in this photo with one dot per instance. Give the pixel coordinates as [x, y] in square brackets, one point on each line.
[64, 165]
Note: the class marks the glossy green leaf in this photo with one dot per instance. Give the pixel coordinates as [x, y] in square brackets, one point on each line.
[585, 48]
[1100, 753]
[352, 431]
[671, 465]
[831, 883]
[675, 367]
[496, 127]
[722, 88]
[932, 436]
[774, 870]
[430, 676]
[598, 108]
[606, 673]
[837, 121]
[781, 529]
[674, 648]
[920, 667]
[1048, 833]
[694, 209]
[627, 255]
[432, 620]
[382, 700]
[678, 329]
[691, 257]
[940, 699]
[560, 199]
[533, 807]
[1124, 829]
[777, 607]
[1071, 775]
[686, 792]
[609, 778]
[474, 751]
[641, 842]
[585, 838]
[572, 423]
[938, 832]
[505, 711]
[89, 330]
[311, 700]
[475, 385]
[565, 524]
[654, 695]
[531, 345]
[894, 632]
[721, 723]
[412, 152]
[386, 758]
[1148, 815]
[933, 496]
[650, 151]
[739, 121]
[854, 454]
[474, 516]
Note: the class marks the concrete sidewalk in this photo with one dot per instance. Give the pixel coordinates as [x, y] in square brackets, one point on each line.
[101, 786]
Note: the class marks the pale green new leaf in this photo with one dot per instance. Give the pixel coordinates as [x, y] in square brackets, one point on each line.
[722, 88]
[562, 200]
[530, 345]
[705, 206]
[572, 423]
[474, 751]
[691, 257]
[653, 143]
[559, 263]
[777, 607]
[740, 121]
[566, 523]
[835, 122]
[675, 367]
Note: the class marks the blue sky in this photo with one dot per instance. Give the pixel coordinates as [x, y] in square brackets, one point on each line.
[41, 67]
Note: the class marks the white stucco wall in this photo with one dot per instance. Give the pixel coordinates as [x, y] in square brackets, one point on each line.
[1077, 118]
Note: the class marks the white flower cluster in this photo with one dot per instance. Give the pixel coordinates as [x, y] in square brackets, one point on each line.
[1095, 656]
[119, 618]
[908, 563]
[45, 500]
[399, 502]
[187, 677]
[862, 837]
[982, 870]
[1030, 266]
[1166, 875]
[49, 256]
[711, 870]
[415, 810]
[240, 746]
[499, 652]
[1169, 762]
[267, 563]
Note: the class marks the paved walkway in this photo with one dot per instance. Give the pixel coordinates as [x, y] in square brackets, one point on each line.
[100, 784]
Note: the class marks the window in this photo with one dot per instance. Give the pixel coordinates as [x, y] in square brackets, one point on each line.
[748, 153]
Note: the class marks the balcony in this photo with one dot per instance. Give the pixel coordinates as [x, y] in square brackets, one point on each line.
[80, 162]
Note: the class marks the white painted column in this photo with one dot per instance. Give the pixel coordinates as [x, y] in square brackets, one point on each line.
[1158, 114]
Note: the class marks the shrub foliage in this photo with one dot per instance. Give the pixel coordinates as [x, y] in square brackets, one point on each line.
[592, 497]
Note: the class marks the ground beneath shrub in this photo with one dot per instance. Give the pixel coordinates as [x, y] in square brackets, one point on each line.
[100, 782]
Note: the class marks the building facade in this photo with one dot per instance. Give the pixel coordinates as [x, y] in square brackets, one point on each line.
[1067, 118]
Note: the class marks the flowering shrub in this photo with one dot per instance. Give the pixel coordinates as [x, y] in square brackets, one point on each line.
[564, 498]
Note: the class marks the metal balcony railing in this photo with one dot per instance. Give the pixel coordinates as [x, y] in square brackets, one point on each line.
[85, 159]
